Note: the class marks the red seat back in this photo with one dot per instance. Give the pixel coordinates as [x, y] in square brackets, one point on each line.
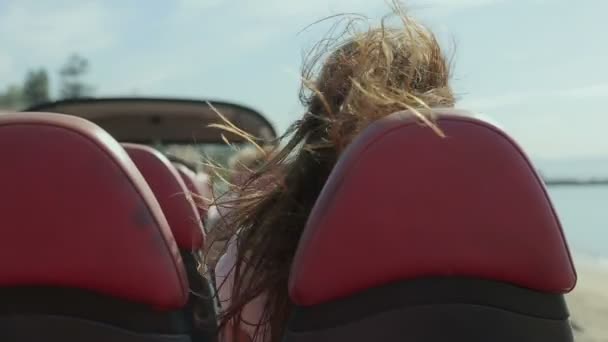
[403, 204]
[199, 186]
[76, 213]
[172, 194]
[179, 207]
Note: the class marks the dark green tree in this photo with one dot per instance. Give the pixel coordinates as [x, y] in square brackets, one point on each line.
[36, 87]
[72, 86]
[11, 98]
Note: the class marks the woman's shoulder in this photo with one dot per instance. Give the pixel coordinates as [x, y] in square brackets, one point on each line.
[227, 261]
[230, 250]
[252, 312]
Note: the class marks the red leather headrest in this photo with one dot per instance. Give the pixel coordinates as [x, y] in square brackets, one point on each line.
[199, 186]
[76, 213]
[404, 203]
[172, 194]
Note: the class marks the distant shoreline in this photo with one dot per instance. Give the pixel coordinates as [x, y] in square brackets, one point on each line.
[575, 182]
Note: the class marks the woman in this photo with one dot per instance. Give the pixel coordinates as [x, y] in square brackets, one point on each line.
[367, 76]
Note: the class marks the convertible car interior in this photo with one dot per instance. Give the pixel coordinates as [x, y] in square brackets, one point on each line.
[103, 230]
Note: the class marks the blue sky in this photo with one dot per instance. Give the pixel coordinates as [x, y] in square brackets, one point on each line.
[538, 68]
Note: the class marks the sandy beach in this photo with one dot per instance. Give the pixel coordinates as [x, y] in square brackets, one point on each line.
[588, 304]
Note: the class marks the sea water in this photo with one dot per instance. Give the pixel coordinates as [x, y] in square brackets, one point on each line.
[583, 212]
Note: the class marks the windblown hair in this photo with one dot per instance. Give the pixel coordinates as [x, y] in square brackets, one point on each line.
[241, 166]
[349, 81]
[249, 159]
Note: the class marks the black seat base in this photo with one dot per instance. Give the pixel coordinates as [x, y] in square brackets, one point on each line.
[90, 306]
[436, 310]
[46, 328]
[441, 323]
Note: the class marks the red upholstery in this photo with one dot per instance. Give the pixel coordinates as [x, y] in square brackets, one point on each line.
[199, 186]
[172, 194]
[76, 213]
[403, 203]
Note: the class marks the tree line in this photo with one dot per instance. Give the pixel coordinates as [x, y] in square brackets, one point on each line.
[36, 87]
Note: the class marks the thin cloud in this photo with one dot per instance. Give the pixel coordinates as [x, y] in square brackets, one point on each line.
[6, 65]
[596, 90]
[34, 33]
[262, 23]
[516, 98]
[305, 10]
[198, 5]
[51, 30]
[497, 101]
[458, 3]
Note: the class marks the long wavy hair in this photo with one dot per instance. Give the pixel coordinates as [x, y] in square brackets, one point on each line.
[348, 81]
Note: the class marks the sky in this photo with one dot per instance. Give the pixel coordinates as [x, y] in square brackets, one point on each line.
[536, 68]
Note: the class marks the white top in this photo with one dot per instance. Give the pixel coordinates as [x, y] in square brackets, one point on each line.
[252, 312]
[219, 211]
